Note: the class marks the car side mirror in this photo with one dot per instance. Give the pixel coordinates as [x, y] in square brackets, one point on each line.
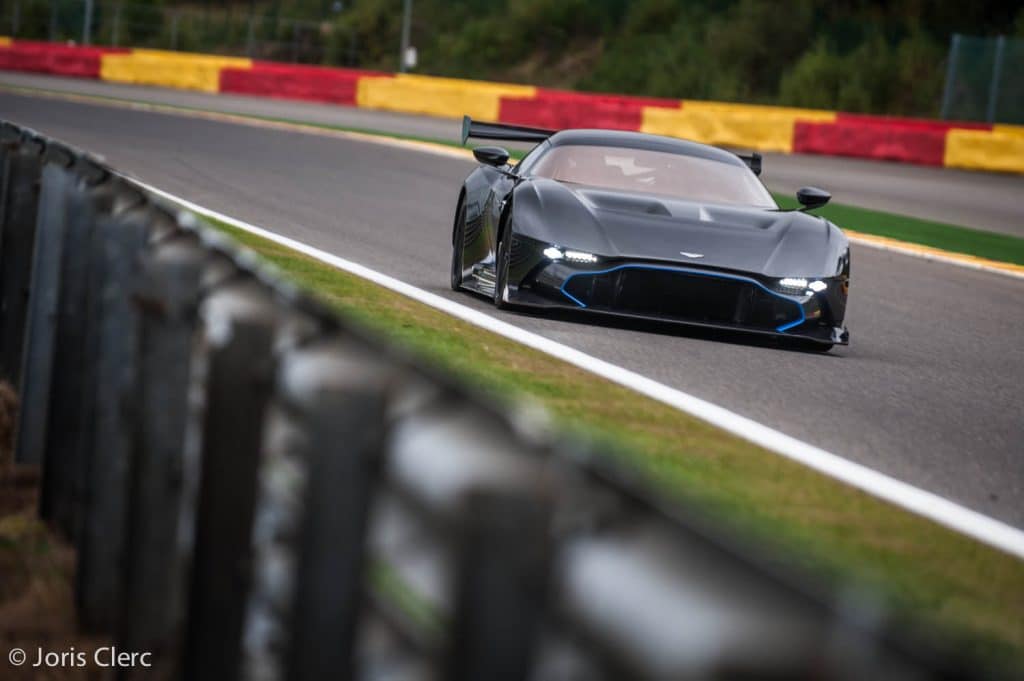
[492, 156]
[812, 197]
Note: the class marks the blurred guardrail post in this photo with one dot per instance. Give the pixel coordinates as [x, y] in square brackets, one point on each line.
[326, 430]
[101, 549]
[41, 314]
[250, 35]
[175, 20]
[403, 48]
[53, 21]
[121, 199]
[87, 12]
[22, 161]
[168, 292]
[15, 18]
[118, 198]
[951, 73]
[239, 321]
[451, 470]
[115, 29]
[503, 560]
[997, 76]
[69, 417]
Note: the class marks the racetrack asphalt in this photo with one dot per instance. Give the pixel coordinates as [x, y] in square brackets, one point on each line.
[931, 390]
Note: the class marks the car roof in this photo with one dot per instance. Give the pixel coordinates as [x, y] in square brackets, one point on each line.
[640, 140]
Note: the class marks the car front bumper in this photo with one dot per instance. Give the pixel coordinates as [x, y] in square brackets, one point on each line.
[695, 296]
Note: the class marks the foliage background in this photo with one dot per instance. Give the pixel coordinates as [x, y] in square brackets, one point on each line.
[866, 56]
[873, 56]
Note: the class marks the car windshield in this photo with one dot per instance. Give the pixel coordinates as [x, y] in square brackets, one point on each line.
[654, 172]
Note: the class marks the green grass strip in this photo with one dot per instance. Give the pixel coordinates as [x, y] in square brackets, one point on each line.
[818, 524]
[991, 245]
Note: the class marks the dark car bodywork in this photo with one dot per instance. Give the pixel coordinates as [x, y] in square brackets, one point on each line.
[651, 256]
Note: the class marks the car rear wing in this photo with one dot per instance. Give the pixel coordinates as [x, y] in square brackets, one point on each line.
[502, 131]
[522, 133]
[753, 161]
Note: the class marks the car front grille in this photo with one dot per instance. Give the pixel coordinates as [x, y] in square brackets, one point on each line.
[683, 295]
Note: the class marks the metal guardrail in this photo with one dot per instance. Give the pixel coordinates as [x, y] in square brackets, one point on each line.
[983, 79]
[258, 490]
[233, 29]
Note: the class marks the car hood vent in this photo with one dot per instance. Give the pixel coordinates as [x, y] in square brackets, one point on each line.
[681, 209]
[629, 204]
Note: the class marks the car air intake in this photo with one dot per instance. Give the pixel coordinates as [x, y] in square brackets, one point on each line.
[691, 296]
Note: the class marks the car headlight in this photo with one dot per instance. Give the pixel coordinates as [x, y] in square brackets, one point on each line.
[800, 285]
[556, 253]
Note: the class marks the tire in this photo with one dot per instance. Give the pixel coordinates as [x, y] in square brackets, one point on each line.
[501, 263]
[458, 243]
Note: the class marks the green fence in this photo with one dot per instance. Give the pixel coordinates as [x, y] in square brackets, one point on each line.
[217, 27]
[985, 80]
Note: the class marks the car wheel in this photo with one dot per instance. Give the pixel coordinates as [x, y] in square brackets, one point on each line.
[458, 243]
[501, 262]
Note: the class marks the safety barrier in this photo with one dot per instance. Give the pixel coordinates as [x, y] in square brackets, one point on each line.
[257, 488]
[438, 96]
[884, 137]
[766, 128]
[923, 146]
[559, 109]
[60, 60]
[288, 81]
[1000, 149]
[169, 69]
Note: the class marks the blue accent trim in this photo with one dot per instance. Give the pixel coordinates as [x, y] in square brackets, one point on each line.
[787, 327]
[569, 295]
[686, 270]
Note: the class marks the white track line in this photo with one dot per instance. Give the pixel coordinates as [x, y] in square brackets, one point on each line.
[943, 511]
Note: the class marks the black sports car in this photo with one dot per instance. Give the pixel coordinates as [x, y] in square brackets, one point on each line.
[643, 226]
